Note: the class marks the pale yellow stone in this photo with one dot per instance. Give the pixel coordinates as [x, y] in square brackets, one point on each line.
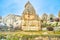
[31, 20]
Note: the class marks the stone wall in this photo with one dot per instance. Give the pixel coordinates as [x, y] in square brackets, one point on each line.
[47, 38]
[43, 38]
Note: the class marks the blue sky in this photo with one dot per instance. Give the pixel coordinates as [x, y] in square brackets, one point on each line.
[17, 6]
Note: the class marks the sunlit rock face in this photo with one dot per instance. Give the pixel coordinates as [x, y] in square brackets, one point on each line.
[30, 20]
[12, 19]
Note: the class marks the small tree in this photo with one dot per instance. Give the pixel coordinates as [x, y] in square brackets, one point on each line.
[51, 17]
